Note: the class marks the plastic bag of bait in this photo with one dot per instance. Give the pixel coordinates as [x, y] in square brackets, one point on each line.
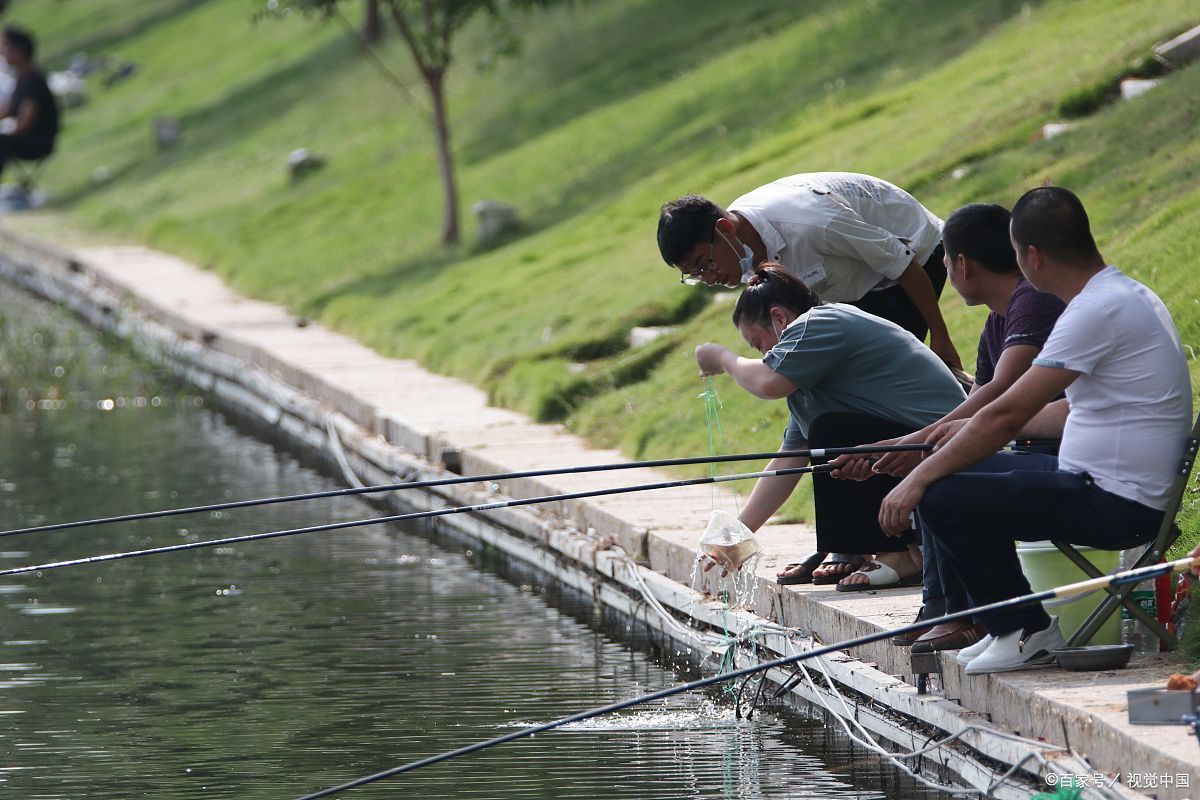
[727, 541]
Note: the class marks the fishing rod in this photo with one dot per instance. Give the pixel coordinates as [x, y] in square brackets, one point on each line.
[440, 512]
[827, 452]
[1068, 590]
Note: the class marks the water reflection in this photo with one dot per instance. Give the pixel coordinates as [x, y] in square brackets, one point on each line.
[275, 668]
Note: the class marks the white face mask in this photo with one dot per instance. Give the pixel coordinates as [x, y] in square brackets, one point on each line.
[746, 261]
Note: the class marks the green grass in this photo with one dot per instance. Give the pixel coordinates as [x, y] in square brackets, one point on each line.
[611, 109]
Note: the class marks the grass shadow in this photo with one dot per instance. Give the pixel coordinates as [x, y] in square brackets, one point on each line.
[101, 41]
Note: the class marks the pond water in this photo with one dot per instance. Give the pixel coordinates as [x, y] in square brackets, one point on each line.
[277, 668]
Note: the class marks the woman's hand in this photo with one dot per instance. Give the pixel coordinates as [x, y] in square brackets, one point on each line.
[711, 357]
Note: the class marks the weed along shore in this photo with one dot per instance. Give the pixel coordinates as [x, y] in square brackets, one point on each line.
[384, 420]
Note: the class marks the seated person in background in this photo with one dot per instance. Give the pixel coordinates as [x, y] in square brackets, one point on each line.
[851, 238]
[1117, 355]
[982, 267]
[29, 120]
[849, 377]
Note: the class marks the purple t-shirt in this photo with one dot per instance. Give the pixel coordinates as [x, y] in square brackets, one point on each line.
[1029, 318]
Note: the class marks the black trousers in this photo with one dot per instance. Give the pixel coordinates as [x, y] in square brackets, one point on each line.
[894, 303]
[971, 518]
[848, 511]
[25, 148]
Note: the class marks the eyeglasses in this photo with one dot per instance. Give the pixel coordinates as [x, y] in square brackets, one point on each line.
[691, 277]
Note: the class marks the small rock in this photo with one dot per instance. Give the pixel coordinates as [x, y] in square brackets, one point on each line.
[644, 335]
[167, 131]
[69, 88]
[495, 219]
[1136, 87]
[1052, 129]
[120, 73]
[301, 162]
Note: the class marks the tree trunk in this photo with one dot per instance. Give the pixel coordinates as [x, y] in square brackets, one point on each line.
[372, 29]
[441, 131]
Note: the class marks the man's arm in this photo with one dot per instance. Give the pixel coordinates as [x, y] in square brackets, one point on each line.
[1047, 423]
[751, 374]
[916, 284]
[985, 433]
[27, 115]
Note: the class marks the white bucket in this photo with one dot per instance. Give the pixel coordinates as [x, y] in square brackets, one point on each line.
[1047, 568]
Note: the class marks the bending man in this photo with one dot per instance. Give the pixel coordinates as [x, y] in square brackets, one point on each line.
[851, 238]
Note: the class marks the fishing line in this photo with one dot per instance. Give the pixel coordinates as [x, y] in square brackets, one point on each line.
[1117, 579]
[828, 452]
[441, 512]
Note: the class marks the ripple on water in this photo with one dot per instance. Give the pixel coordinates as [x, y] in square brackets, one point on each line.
[707, 716]
[38, 610]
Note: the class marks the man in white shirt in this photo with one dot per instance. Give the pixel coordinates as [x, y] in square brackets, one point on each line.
[1124, 422]
[850, 238]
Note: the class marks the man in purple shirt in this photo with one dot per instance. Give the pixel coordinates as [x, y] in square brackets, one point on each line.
[982, 267]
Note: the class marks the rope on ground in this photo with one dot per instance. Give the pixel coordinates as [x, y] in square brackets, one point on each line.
[339, 454]
[868, 741]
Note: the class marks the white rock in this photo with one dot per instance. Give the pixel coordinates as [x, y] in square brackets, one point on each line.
[645, 335]
[495, 218]
[1052, 129]
[69, 88]
[1136, 87]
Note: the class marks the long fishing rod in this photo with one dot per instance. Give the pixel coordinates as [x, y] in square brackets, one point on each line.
[441, 512]
[827, 452]
[1068, 590]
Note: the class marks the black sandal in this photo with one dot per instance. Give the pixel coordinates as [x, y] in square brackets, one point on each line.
[810, 562]
[854, 560]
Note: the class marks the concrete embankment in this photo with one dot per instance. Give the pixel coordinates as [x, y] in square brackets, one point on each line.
[385, 420]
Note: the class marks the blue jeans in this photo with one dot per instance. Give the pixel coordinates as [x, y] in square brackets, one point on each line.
[970, 519]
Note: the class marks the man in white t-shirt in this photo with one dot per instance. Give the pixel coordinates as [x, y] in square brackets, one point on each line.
[850, 238]
[1124, 424]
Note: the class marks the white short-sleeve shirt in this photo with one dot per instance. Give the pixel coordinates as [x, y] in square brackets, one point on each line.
[1131, 406]
[842, 233]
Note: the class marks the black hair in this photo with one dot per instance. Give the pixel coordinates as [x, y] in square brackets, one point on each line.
[1052, 219]
[685, 223]
[980, 232]
[772, 286]
[21, 40]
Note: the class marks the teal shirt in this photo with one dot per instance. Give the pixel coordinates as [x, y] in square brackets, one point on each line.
[846, 360]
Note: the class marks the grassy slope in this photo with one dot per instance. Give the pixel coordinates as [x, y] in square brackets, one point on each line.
[613, 108]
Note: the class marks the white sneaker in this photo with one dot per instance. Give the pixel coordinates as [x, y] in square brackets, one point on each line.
[969, 654]
[1011, 652]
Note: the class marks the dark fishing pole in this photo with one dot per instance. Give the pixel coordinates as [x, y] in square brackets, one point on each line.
[499, 476]
[441, 512]
[1083, 587]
